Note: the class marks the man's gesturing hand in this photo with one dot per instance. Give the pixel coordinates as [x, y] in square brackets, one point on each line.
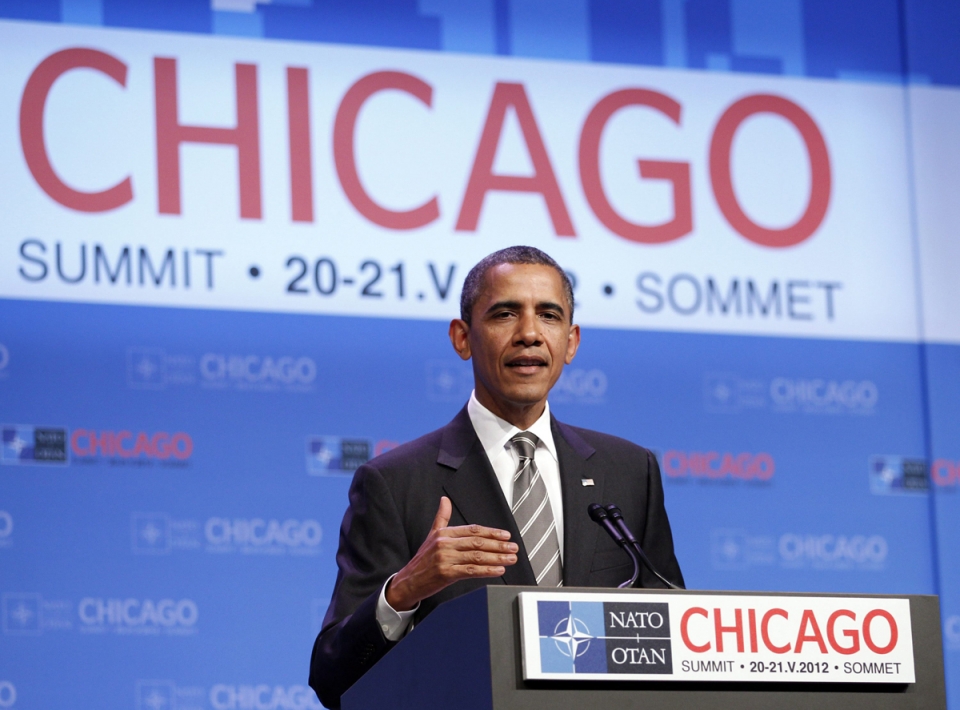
[449, 555]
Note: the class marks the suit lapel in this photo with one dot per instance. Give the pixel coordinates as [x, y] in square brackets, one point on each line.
[579, 531]
[475, 492]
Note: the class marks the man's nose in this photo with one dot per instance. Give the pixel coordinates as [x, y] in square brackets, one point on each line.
[528, 329]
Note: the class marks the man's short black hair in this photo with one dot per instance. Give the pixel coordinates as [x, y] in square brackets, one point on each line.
[473, 284]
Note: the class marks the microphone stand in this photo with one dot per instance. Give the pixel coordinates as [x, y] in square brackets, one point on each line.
[600, 516]
[617, 517]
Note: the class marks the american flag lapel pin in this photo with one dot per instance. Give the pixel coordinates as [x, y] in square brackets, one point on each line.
[586, 481]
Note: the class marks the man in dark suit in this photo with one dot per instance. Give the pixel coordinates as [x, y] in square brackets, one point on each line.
[499, 495]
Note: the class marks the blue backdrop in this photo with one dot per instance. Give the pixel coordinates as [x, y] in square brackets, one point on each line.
[173, 479]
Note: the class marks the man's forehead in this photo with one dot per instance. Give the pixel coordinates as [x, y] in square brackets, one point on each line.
[522, 280]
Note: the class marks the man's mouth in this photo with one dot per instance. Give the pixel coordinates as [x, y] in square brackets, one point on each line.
[526, 365]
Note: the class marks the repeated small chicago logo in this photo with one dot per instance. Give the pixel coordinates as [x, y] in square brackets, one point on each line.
[155, 368]
[138, 616]
[262, 696]
[29, 444]
[707, 466]
[342, 455]
[732, 549]
[31, 614]
[731, 393]
[160, 533]
[169, 695]
[604, 637]
[125, 447]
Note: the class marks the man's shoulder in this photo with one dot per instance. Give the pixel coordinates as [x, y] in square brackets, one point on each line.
[421, 449]
[602, 442]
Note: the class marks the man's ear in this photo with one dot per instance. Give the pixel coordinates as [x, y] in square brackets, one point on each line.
[460, 338]
[573, 342]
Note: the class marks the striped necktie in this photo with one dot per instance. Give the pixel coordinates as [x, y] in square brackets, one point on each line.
[534, 516]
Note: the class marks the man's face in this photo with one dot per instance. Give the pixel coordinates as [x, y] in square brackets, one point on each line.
[520, 337]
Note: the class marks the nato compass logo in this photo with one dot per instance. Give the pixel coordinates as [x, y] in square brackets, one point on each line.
[604, 637]
[29, 444]
[726, 392]
[335, 455]
[151, 533]
[735, 549]
[146, 368]
[448, 381]
[22, 614]
[155, 695]
[890, 475]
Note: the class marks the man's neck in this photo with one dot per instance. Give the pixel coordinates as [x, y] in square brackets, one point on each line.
[522, 416]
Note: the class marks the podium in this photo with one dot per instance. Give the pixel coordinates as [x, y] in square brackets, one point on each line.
[468, 655]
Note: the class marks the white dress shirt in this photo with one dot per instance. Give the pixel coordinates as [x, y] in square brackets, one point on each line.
[494, 434]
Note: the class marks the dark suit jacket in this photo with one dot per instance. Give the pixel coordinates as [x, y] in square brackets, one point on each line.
[393, 502]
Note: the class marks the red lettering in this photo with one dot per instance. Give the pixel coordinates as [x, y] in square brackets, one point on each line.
[684, 634]
[765, 630]
[75, 445]
[171, 133]
[696, 463]
[384, 445]
[160, 446]
[33, 142]
[142, 445]
[720, 177]
[181, 445]
[301, 159]
[482, 179]
[752, 620]
[763, 466]
[729, 467]
[851, 634]
[868, 635]
[106, 444]
[809, 620]
[678, 174]
[944, 473]
[674, 463]
[737, 629]
[118, 444]
[344, 155]
[708, 468]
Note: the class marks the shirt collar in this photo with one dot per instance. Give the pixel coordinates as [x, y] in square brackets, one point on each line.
[495, 433]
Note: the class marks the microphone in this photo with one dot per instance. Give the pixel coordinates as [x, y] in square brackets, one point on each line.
[599, 515]
[616, 516]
